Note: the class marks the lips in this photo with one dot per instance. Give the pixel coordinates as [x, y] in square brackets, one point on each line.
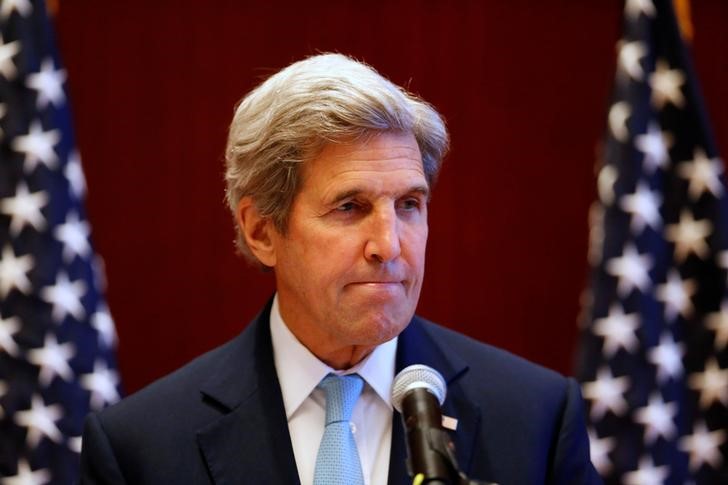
[374, 283]
[379, 282]
[390, 279]
[378, 289]
[383, 278]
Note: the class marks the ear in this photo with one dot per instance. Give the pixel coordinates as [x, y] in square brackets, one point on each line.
[256, 230]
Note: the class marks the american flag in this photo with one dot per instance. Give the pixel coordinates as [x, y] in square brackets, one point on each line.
[57, 337]
[654, 356]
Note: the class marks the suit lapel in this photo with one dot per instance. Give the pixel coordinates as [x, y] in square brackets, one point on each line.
[417, 346]
[249, 442]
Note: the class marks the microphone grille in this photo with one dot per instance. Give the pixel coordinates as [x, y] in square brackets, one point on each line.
[417, 376]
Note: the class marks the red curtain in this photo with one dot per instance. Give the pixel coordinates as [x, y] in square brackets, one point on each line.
[523, 85]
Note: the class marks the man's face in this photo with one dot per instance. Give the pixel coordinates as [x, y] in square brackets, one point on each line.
[350, 268]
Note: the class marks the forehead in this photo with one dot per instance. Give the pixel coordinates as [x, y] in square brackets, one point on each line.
[389, 158]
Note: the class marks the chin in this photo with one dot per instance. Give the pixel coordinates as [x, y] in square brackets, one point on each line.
[380, 329]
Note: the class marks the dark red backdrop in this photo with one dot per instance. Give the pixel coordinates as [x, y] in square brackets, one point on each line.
[523, 84]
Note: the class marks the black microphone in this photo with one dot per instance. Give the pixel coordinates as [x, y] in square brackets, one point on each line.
[418, 392]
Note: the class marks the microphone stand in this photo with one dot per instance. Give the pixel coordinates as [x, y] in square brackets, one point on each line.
[435, 462]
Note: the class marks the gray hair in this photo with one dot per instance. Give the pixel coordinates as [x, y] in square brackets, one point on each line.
[287, 120]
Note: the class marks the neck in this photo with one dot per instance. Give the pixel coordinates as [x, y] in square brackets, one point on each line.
[342, 359]
[327, 349]
[330, 349]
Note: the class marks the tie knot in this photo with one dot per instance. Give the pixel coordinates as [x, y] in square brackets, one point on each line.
[342, 393]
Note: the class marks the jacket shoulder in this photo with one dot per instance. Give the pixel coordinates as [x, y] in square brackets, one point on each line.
[498, 374]
[172, 407]
[183, 381]
[528, 414]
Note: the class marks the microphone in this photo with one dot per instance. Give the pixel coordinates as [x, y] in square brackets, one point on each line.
[418, 392]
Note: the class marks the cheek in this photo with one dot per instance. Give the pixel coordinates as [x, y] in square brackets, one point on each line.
[416, 244]
[331, 259]
[339, 252]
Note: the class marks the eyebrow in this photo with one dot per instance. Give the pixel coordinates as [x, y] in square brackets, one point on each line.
[418, 189]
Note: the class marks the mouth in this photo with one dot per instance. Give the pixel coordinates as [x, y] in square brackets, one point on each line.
[378, 284]
[379, 287]
[379, 278]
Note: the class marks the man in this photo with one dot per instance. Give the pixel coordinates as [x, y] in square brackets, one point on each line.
[329, 171]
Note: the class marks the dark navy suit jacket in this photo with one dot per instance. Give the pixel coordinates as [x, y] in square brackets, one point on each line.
[220, 419]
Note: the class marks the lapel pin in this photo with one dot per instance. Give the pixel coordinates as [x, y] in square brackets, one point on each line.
[449, 423]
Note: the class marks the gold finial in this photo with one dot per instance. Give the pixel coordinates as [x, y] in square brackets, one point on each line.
[52, 7]
[682, 11]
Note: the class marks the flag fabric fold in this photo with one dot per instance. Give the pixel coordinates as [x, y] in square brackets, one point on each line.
[653, 357]
[57, 337]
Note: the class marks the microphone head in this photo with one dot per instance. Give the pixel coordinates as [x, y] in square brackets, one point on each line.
[414, 377]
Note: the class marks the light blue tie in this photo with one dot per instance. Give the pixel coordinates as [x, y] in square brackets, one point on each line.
[338, 462]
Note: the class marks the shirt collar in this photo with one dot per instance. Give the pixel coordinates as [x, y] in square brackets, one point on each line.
[299, 371]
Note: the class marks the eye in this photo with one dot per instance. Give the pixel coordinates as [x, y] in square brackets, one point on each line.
[347, 207]
[410, 204]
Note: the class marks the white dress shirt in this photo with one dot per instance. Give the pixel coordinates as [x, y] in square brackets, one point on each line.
[299, 372]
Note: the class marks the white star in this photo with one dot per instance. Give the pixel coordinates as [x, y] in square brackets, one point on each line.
[675, 294]
[75, 443]
[689, 236]
[24, 209]
[644, 205]
[104, 325]
[667, 356]
[49, 84]
[628, 59]
[657, 418]
[703, 446]
[618, 331]
[65, 296]
[74, 174]
[653, 145]
[25, 476]
[53, 360]
[23, 7]
[102, 384]
[37, 146]
[74, 235]
[7, 52]
[606, 394]
[633, 8]
[665, 84]
[647, 473]
[9, 327]
[40, 421]
[721, 259]
[599, 449]
[718, 323]
[712, 384]
[631, 269]
[619, 113]
[605, 183]
[13, 272]
[703, 174]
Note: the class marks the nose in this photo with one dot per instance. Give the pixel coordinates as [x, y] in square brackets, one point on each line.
[383, 237]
